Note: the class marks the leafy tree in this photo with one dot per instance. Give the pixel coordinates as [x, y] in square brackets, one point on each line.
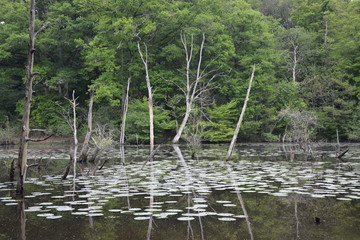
[137, 129]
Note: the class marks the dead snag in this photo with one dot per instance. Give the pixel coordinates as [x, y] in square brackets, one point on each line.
[150, 99]
[25, 129]
[233, 141]
[85, 148]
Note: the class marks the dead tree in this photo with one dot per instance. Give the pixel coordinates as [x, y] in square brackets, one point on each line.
[25, 129]
[233, 141]
[192, 89]
[125, 106]
[148, 84]
[85, 148]
[73, 152]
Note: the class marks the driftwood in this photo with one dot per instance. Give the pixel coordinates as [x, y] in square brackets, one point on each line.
[39, 140]
[341, 154]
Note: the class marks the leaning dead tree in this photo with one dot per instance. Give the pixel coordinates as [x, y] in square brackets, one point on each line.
[85, 148]
[194, 86]
[125, 105]
[148, 84]
[233, 141]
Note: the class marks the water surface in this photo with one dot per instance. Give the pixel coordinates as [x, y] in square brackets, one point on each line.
[261, 194]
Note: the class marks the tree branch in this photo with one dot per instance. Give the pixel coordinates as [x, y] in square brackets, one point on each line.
[42, 28]
[38, 140]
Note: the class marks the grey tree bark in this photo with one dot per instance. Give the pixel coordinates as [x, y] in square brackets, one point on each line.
[191, 88]
[25, 129]
[85, 148]
[73, 152]
[150, 99]
[124, 112]
[233, 141]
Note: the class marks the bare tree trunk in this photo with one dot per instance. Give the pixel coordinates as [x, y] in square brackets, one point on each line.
[22, 160]
[73, 152]
[295, 61]
[326, 33]
[233, 141]
[191, 90]
[182, 126]
[124, 112]
[21, 216]
[85, 148]
[148, 84]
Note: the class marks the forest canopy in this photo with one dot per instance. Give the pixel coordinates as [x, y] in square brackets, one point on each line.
[307, 57]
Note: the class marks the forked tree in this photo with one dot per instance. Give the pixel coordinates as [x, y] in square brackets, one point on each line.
[195, 84]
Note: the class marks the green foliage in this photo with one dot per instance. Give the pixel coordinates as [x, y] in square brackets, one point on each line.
[137, 122]
[222, 122]
[47, 113]
[94, 43]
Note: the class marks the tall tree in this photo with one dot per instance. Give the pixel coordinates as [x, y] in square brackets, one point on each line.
[192, 87]
[25, 128]
[144, 59]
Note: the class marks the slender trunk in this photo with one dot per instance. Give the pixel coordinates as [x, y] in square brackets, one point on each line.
[148, 84]
[295, 61]
[22, 160]
[124, 112]
[233, 141]
[21, 220]
[326, 33]
[337, 139]
[151, 114]
[183, 124]
[85, 148]
[191, 88]
[73, 152]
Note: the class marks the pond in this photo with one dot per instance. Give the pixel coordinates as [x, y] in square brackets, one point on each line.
[262, 193]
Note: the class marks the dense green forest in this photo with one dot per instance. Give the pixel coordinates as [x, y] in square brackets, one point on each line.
[306, 53]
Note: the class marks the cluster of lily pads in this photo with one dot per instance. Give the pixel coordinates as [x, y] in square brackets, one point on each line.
[174, 187]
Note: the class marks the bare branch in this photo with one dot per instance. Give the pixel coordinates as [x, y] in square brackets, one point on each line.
[39, 140]
[200, 57]
[171, 81]
[42, 28]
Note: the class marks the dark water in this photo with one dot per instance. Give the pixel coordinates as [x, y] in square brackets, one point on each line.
[261, 194]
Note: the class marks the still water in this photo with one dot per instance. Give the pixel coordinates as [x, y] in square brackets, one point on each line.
[263, 193]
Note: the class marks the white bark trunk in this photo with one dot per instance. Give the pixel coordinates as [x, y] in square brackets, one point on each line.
[295, 61]
[124, 113]
[148, 84]
[233, 141]
[85, 147]
[191, 87]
